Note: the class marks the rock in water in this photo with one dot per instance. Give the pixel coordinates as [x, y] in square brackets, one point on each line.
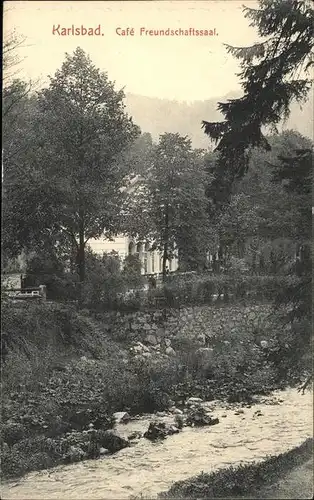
[156, 430]
[173, 430]
[198, 417]
[113, 441]
[121, 417]
[213, 421]
[135, 435]
[176, 411]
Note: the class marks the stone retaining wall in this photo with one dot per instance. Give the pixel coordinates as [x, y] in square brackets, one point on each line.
[162, 330]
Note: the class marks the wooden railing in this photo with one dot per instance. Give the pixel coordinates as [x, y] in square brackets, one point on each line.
[28, 293]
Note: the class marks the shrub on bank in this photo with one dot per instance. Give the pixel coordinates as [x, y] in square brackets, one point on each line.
[179, 291]
[208, 288]
[41, 452]
[242, 481]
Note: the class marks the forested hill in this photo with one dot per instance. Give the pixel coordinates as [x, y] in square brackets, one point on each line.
[157, 116]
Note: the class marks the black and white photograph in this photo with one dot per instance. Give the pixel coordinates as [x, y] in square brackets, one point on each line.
[156, 271]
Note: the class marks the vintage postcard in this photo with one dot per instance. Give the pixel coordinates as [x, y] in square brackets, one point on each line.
[156, 277]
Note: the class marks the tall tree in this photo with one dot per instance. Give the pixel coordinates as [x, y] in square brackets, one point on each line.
[168, 206]
[76, 163]
[274, 72]
[20, 190]
[259, 224]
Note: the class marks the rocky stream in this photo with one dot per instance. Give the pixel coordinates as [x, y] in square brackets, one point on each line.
[244, 434]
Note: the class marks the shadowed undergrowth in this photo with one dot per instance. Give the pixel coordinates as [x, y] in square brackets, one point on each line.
[244, 481]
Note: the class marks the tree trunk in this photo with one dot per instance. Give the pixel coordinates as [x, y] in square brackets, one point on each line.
[164, 262]
[165, 247]
[81, 260]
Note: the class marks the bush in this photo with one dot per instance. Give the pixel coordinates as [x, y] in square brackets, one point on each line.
[11, 432]
[104, 281]
[242, 481]
[206, 289]
[46, 268]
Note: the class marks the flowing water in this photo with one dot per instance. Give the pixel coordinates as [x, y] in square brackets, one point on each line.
[149, 468]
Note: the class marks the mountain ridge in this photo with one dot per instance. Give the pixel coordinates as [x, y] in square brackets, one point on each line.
[157, 116]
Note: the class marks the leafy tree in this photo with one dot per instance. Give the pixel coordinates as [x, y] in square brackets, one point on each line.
[22, 191]
[74, 172]
[103, 280]
[273, 74]
[295, 173]
[46, 267]
[132, 271]
[259, 223]
[168, 206]
[139, 155]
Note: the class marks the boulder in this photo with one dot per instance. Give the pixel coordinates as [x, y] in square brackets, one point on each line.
[170, 351]
[121, 417]
[156, 430]
[173, 430]
[160, 430]
[167, 342]
[179, 421]
[193, 401]
[103, 451]
[198, 417]
[238, 412]
[151, 339]
[135, 435]
[146, 354]
[161, 414]
[160, 332]
[138, 349]
[113, 442]
[201, 339]
[176, 411]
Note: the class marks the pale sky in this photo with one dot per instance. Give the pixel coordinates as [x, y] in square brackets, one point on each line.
[181, 68]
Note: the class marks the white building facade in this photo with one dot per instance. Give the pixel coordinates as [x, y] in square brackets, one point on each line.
[151, 260]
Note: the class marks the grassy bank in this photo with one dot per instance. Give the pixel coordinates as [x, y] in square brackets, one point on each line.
[245, 481]
[63, 372]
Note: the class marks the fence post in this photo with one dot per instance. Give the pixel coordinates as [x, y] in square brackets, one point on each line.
[43, 291]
